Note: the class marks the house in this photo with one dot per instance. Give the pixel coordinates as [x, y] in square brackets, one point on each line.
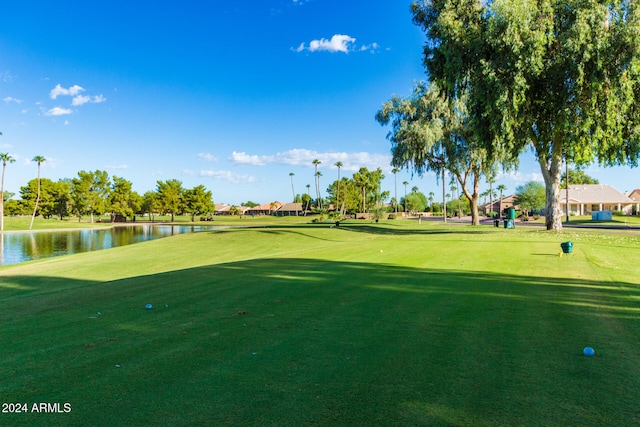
[635, 196]
[587, 198]
[290, 209]
[499, 206]
[266, 209]
[224, 209]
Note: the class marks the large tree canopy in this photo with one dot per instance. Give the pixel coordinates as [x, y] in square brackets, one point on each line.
[563, 77]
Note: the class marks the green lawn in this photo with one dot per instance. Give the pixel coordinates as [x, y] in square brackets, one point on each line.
[364, 324]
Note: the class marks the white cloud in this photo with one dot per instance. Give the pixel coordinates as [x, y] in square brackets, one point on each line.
[117, 167]
[9, 99]
[337, 43]
[207, 157]
[303, 157]
[228, 176]
[58, 111]
[80, 100]
[83, 99]
[59, 90]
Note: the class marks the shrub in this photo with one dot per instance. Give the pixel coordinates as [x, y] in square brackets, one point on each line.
[391, 216]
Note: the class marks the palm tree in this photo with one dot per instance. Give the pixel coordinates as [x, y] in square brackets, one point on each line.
[38, 160]
[454, 188]
[491, 178]
[309, 200]
[6, 158]
[316, 163]
[394, 171]
[501, 188]
[319, 201]
[338, 164]
[405, 183]
[431, 195]
[291, 174]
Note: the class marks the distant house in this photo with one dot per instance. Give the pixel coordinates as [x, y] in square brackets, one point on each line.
[266, 209]
[587, 198]
[291, 209]
[224, 209]
[498, 205]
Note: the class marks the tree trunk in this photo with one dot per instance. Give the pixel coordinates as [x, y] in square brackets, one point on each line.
[551, 170]
[473, 199]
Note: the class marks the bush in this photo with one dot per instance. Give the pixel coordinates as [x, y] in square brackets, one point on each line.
[391, 216]
[618, 213]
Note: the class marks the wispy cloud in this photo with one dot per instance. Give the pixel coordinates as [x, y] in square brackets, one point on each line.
[303, 157]
[337, 43]
[77, 100]
[9, 99]
[6, 77]
[117, 167]
[207, 157]
[58, 111]
[83, 99]
[232, 177]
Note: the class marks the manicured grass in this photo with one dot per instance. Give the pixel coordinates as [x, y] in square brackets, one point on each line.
[364, 324]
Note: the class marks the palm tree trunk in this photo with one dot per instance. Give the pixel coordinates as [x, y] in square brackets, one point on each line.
[37, 200]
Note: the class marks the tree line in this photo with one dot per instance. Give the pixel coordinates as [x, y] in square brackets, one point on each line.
[95, 194]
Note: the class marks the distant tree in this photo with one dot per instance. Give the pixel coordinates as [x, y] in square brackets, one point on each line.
[90, 193]
[293, 192]
[501, 188]
[395, 171]
[149, 204]
[317, 163]
[415, 202]
[341, 208]
[405, 183]
[38, 160]
[123, 200]
[170, 196]
[530, 197]
[198, 201]
[61, 192]
[577, 176]
[250, 204]
[43, 191]
[6, 158]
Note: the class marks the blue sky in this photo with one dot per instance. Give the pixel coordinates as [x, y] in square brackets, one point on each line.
[232, 95]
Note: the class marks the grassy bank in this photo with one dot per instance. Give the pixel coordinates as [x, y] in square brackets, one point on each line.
[297, 324]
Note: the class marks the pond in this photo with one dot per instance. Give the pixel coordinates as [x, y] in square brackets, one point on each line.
[25, 246]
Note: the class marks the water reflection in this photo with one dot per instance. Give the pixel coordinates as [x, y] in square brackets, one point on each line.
[25, 246]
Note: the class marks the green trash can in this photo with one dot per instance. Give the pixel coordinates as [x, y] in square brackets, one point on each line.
[511, 213]
[567, 247]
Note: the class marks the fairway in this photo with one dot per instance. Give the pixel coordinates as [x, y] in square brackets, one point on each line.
[390, 324]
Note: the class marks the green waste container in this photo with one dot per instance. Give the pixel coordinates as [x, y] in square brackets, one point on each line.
[511, 213]
[567, 247]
